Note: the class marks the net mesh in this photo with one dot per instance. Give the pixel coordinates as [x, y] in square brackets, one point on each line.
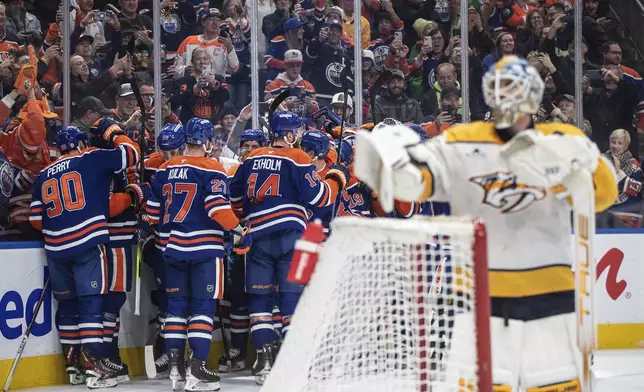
[389, 308]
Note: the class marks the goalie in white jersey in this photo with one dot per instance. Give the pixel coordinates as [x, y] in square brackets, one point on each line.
[521, 179]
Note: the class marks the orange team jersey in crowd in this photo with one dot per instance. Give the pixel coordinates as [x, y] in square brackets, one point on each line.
[216, 50]
[283, 83]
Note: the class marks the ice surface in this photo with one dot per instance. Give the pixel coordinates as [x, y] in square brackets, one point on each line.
[236, 382]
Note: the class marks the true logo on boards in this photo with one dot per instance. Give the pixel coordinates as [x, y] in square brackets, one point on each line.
[16, 312]
[612, 261]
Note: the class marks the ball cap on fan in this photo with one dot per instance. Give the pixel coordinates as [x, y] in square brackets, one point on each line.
[292, 24]
[293, 56]
[209, 12]
[338, 99]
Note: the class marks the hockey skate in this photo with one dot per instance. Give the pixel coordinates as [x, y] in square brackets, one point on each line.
[235, 363]
[200, 378]
[162, 365]
[72, 364]
[119, 368]
[99, 375]
[263, 363]
[177, 369]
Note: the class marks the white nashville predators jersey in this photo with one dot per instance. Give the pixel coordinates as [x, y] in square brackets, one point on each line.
[529, 229]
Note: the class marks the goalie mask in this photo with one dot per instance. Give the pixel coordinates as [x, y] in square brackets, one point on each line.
[512, 88]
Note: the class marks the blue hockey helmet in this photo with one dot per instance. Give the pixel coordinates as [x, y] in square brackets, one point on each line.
[69, 138]
[284, 122]
[253, 135]
[171, 137]
[316, 141]
[198, 130]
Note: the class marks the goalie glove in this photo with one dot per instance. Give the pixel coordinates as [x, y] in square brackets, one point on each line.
[560, 163]
[391, 160]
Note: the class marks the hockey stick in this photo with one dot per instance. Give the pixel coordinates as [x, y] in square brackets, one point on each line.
[26, 335]
[142, 146]
[345, 84]
[281, 97]
[224, 339]
[584, 229]
[382, 79]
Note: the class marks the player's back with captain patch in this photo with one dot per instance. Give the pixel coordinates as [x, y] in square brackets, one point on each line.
[189, 195]
[71, 199]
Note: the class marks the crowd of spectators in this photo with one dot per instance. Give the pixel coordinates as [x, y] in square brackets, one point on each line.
[303, 48]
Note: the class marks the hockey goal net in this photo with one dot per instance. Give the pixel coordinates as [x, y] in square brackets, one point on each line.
[393, 305]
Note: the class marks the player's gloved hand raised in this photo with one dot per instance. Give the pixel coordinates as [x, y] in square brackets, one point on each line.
[242, 238]
[139, 193]
[340, 174]
[107, 128]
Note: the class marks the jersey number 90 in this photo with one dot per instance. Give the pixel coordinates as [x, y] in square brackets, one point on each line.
[64, 194]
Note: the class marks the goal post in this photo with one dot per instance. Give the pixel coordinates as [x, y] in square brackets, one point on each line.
[393, 305]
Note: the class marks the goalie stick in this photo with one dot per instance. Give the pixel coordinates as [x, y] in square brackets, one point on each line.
[384, 77]
[23, 343]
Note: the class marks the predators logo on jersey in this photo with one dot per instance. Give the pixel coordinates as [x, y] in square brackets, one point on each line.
[502, 191]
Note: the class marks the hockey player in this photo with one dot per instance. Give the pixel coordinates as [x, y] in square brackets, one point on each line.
[528, 216]
[171, 141]
[70, 205]
[190, 205]
[274, 185]
[316, 144]
[122, 227]
[234, 306]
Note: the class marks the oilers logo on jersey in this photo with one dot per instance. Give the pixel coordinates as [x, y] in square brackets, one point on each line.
[502, 191]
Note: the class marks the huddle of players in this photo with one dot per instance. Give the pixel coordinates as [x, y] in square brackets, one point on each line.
[199, 221]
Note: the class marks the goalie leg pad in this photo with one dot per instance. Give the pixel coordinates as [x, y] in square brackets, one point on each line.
[261, 321]
[550, 355]
[568, 386]
[507, 342]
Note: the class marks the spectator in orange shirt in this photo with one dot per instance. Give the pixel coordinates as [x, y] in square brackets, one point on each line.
[612, 53]
[450, 98]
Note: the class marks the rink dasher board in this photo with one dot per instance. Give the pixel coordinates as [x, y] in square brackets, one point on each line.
[618, 291]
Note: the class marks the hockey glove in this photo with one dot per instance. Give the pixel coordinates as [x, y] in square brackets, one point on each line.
[132, 175]
[107, 129]
[139, 194]
[340, 174]
[242, 239]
